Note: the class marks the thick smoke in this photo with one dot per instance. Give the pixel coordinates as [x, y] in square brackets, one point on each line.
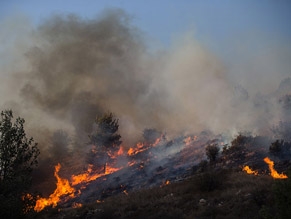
[63, 73]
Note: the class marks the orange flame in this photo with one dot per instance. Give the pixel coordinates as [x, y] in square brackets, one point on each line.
[139, 148]
[274, 173]
[85, 177]
[63, 188]
[120, 151]
[77, 205]
[248, 170]
[109, 170]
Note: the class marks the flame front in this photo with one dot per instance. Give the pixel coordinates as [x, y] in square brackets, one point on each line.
[274, 173]
[63, 188]
[248, 170]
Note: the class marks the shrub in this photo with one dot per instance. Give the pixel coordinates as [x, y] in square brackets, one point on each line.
[212, 152]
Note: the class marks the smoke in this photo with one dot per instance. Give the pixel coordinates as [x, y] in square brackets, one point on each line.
[63, 73]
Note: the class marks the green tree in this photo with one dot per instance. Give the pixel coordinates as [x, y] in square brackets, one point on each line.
[105, 140]
[18, 156]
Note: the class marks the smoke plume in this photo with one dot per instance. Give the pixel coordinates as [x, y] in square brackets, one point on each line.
[62, 73]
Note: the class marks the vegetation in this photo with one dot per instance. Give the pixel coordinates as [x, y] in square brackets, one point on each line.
[18, 156]
[282, 191]
[104, 140]
[280, 148]
[212, 151]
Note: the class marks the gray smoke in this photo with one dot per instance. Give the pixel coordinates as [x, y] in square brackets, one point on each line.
[63, 73]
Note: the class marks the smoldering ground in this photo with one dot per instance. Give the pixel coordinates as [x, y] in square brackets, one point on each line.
[62, 73]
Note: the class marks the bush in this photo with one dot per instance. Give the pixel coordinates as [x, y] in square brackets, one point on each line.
[212, 152]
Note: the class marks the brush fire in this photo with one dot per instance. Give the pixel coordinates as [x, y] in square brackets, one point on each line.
[77, 70]
[147, 164]
[143, 156]
[272, 170]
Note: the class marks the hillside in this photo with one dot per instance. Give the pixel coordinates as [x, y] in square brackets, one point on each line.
[218, 189]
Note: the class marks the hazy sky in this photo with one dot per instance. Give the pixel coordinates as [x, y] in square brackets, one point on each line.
[214, 22]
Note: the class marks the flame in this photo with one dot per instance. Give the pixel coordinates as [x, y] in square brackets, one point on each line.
[116, 154]
[274, 173]
[63, 188]
[109, 169]
[190, 139]
[85, 177]
[248, 170]
[120, 151]
[89, 176]
[131, 163]
[77, 205]
[139, 148]
[167, 182]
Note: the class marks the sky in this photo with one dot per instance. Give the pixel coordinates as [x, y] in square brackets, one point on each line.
[214, 22]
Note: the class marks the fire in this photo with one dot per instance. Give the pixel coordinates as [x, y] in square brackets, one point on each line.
[248, 170]
[77, 205]
[85, 177]
[116, 154]
[120, 151]
[167, 182]
[109, 170]
[190, 139]
[63, 188]
[139, 148]
[125, 192]
[274, 173]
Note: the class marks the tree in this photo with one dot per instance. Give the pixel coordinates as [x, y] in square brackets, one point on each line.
[18, 156]
[105, 139]
[212, 152]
